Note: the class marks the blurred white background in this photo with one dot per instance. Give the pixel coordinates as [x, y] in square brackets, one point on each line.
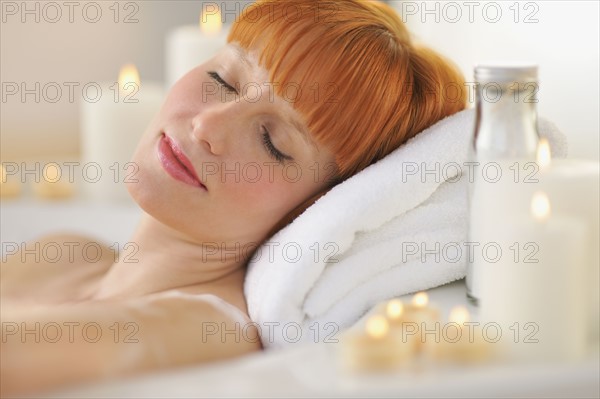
[561, 36]
[81, 51]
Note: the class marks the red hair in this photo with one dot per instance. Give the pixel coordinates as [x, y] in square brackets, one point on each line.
[365, 87]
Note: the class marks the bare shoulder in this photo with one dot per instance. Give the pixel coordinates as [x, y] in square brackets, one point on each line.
[222, 329]
[52, 267]
[59, 249]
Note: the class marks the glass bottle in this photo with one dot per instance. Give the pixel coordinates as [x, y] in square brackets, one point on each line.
[505, 139]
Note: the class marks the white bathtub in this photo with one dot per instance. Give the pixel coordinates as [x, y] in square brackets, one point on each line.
[303, 370]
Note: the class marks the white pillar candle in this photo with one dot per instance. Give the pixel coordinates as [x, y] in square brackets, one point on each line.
[539, 282]
[190, 46]
[574, 188]
[112, 123]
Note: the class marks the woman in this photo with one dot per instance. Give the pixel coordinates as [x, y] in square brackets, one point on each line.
[305, 94]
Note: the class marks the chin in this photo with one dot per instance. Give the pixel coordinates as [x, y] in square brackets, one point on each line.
[147, 189]
[158, 199]
[155, 201]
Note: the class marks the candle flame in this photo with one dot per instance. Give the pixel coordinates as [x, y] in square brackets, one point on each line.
[51, 173]
[420, 299]
[377, 326]
[543, 153]
[459, 315]
[2, 174]
[540, 206]
[210, 20]
[394, 309]
[128, 74]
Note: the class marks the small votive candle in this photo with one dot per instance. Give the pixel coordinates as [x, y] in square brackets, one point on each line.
[376, 348]
[414, 321]
[420, 319]
[53, 185]
[459, 341]
[10, 187]
[394, 311]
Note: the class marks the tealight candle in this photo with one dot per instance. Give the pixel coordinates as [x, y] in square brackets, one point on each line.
[394, 311]
[458, 342]
[418, 314]
[111, 127]
[53, 185]
[190, 46]
[9, 185]
[414, 321]
[376, 348]
[535, 292]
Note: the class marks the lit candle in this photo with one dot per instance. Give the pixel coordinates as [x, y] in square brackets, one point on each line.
[53, 184]
[535, 290]
[418, 314]
[573, 186]
[415, 321]
[10, 187]
[377, 347]
[190, 46]
[395, 312]
[111, 127]
[544, 154]
[459, 341]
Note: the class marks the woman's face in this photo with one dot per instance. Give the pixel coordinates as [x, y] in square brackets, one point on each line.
[226, 158]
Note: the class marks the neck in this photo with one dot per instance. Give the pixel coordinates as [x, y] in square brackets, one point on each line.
[158, 258]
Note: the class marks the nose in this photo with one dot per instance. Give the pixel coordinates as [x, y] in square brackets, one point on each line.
[210, 126]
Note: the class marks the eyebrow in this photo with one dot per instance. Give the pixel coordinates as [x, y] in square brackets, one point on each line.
[239, 52]
[300, 128]
[290, 120]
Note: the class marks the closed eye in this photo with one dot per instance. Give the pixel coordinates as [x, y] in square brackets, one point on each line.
[272, 150]
[217, 78]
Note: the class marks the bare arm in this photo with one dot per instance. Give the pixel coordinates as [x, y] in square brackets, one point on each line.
[102, 340]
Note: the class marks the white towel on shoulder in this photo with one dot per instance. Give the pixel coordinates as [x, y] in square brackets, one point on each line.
[363, 241]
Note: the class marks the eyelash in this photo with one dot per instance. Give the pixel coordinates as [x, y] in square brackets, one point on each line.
[271, 149]
[266, 137]
[219, 80]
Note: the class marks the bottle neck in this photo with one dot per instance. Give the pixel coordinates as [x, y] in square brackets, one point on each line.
[506, 122]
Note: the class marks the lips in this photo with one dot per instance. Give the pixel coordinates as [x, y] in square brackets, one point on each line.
[176, 163]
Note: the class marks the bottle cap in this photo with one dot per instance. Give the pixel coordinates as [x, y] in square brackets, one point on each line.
[506, 72]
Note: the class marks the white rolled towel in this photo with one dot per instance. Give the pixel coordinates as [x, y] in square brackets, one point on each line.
[355, 246]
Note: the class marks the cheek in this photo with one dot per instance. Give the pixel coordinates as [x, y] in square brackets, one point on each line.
[265, 201]
[266, 198]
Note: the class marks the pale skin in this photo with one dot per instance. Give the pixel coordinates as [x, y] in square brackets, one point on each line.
[188, 276]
